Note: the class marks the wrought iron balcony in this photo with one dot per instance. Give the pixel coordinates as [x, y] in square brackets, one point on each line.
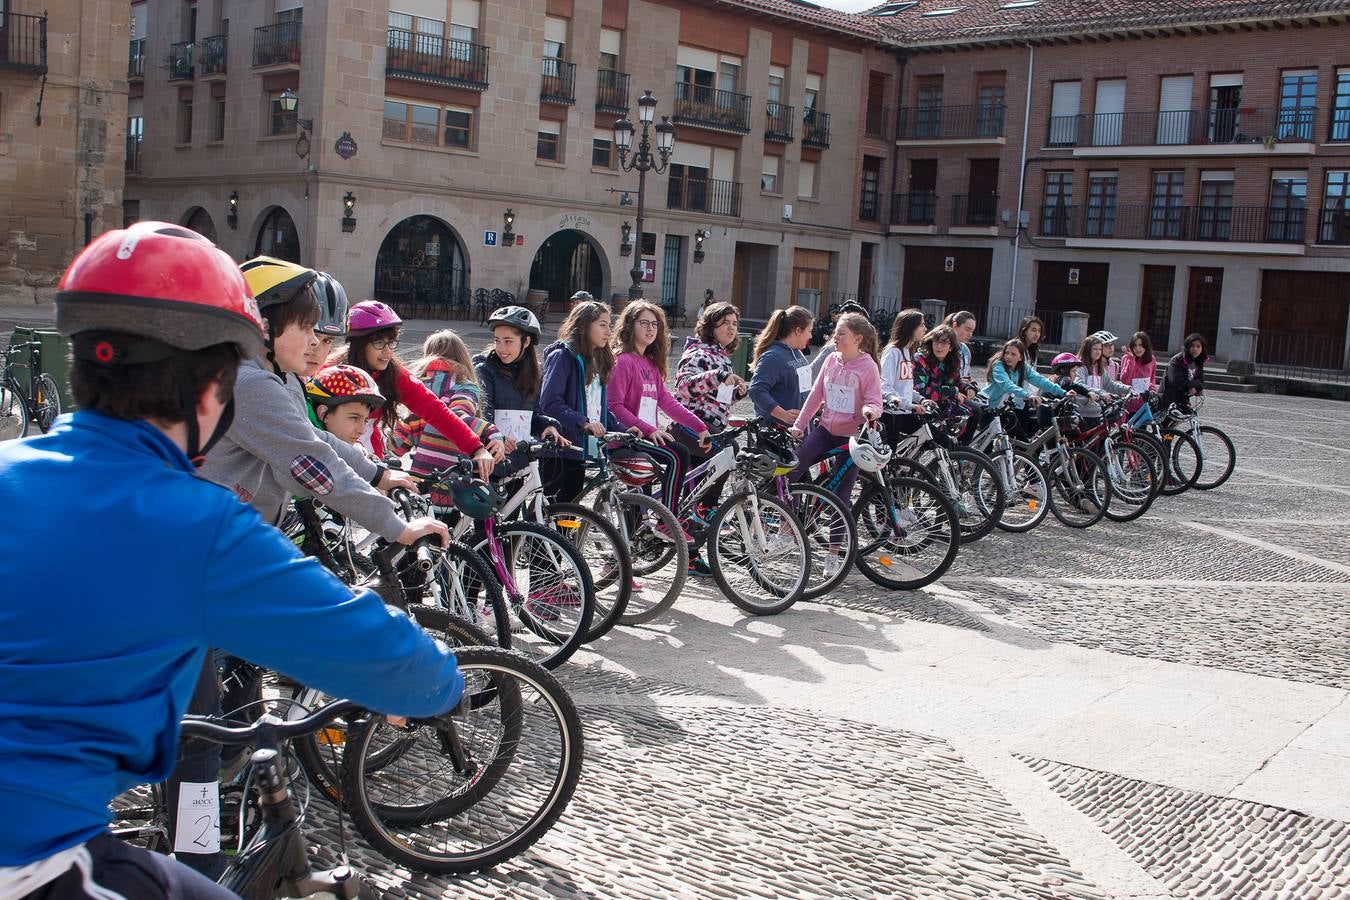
[974, 210]
[23, 42]
[180, 61]
[436, 60]
[915, 208]
[815, 129]
[136, 59]
[611, 94]
[876, 120]
[707, 107]
[779, 122]
[560, 81]
[1335, 227]
[1183, 127]
[1147, 222]
[869, 205]
[709, 195]
[211, 53]
[133, 161]
[950, 123]
[276, 45]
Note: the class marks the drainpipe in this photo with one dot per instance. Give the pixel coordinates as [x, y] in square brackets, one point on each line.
[902, 58]
[1021, 182]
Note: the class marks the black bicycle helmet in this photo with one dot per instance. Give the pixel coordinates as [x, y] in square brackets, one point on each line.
[517, 317]
[332, 306]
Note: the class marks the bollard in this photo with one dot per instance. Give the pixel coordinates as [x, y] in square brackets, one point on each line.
[1074, 330]
[1242, 350]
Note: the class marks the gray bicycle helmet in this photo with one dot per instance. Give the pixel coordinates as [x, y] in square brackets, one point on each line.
[579, 296]
[332, 306]
[1105, 336]
[517, 317]
[868, 453]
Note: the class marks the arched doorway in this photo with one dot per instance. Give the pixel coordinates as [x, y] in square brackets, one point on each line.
[277, 236]
[422, 267]
[567, 262]
[199, 220]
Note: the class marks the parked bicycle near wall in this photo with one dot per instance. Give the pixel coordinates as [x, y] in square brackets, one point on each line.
[36, 401]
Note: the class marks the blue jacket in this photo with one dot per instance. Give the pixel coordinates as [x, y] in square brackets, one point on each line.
[563, 394]
[120, 567]
[775, 380]
[498, 383]
[1002, 384]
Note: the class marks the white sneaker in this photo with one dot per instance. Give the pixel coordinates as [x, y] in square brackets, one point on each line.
[830, 565]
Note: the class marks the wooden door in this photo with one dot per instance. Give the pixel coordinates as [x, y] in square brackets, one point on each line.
[1303, 318]
[1202, 304]
[966, 286]
[1071, 286]
[865, 274]
[1155, 310]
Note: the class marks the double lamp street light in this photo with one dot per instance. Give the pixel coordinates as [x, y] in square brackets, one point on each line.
[643, 161]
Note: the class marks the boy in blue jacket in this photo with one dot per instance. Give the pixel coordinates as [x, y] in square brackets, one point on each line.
[98, 659]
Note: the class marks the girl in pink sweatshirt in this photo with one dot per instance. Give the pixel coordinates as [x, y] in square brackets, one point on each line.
[637, 389]
[1139, 369]
[849, 386]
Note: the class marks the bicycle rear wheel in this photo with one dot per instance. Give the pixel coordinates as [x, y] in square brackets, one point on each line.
[13, 413]
[553, 600]
[1184, 461]
[1134, 482]
[828, 525]
[659, 554]
[47, 405]
[758, 553]
[1219, 456]
[476, 787]
[602, 548]
[1027, 500]
[910, 541]
[1082, 488]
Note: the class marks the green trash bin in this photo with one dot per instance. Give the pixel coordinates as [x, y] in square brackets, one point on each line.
[740, 360]
[53, 358]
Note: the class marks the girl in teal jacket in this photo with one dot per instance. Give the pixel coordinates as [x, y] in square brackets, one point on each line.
[1009, 375]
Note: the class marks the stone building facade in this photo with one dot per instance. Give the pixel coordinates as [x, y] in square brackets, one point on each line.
[62, 111]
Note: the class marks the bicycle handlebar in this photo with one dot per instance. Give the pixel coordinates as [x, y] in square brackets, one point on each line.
[208, 728]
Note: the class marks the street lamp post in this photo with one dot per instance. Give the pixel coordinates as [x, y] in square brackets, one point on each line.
[643, 161]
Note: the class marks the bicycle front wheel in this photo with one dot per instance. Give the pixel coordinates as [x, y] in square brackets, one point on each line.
[758, 553]
[47, 404]
[602, 547]
[980, 496]
[1184, 461]
[656, 546]
[1082, 487]
[461, 585]
[828, 525]
[1027, 500]
[13, 413]
[1134, 482]
[548, 589]
[1218, 456]
[909, 539]
[475, 787]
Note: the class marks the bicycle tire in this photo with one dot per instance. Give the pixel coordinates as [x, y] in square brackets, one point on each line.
[1088, 493]
[542, 699]
[556, 618]
[826, 520]
[463, 585]
[1206, 480]
[590, 531]
[1027, 497]
[654, 542]
[47, 402]
[1149, 444]
[927, 520]
[1184, 462]
[1132, 495]
[13, 413]
[982, 494]
[322, 763]
[729, 552]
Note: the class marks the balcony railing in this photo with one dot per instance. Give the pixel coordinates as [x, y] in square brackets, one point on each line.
[947, 123]
[779, 122]
[23, 42]
[1146, 222]
[560, 81]
[276, 45]
[1183, 127]
[876, 120]
[133, 163]
[915, 208]
[696, 104]
[815, 129]
[1335, 227]
[211, 53]
[423, 57]
[869, 205]
[136, 59]
[611, 94]
[708, 195]
[180, 61]
[974, 210]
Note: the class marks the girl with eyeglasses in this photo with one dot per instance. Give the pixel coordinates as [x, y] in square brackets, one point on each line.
[637, 391]
[372, 339]
[937, 366]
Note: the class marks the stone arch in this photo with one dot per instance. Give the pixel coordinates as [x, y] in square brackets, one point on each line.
[200, 221]
[570, 260]
[422, 266]
[276, 234]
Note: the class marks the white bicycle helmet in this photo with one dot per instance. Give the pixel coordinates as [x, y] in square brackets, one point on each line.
[869, 454]
[1105, 336]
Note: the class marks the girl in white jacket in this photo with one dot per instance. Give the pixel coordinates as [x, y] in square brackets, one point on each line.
[897, 374]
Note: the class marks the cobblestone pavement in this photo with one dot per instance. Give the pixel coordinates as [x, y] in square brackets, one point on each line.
[1154, 709]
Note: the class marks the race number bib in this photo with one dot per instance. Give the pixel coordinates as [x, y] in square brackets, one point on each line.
[804, 378]
[514, 423]
[198, 828]
[839, 398]
[647, 411]
[1138, 385]
[726, 394]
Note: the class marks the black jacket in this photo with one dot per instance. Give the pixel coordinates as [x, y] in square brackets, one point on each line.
[498, 382]
[1182, 374]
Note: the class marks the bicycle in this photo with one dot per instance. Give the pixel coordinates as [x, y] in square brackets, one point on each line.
[38, 403]
[1082, 485]
[1216, 457]
[1181, 453]
[1026, 486]
[1131, 460]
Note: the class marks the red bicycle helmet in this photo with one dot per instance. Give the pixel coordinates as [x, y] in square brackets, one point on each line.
[370, 315]
[336, 385]
[634, 470]
[158, 281]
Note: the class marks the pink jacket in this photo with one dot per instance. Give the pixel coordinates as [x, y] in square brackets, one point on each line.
[635, 377]
[1131, 368]
[858, 382]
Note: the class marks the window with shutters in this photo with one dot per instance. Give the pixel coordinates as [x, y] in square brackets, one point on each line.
[1055, 205]
[1165, 211]
[1101, 205]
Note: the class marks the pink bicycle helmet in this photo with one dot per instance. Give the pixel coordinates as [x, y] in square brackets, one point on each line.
[1065, 359]
[370, 315]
